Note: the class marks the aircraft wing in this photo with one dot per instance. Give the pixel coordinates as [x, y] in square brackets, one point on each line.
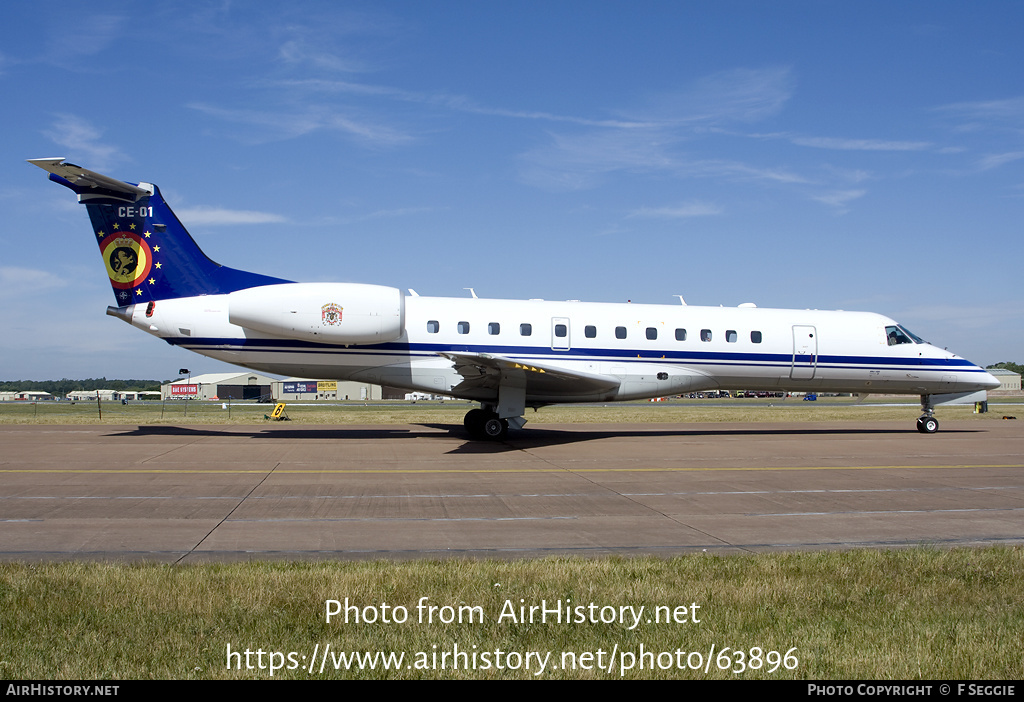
[83, 180]
[484, 370]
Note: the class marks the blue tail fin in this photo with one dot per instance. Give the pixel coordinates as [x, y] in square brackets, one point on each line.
[147, 252]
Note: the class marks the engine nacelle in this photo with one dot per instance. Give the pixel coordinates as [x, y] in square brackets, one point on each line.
[335, 313]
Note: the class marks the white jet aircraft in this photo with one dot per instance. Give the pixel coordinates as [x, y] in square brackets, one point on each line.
[505, 354]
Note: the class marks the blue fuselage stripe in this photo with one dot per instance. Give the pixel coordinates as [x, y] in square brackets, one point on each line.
[575, 354]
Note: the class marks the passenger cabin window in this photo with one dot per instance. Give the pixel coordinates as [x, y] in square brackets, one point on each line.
[620, 332]
[705, 335]
[561, 331]
[652, 333]
[755, 337]
[493, 328]
[463, 327]
[680, 335]
[730, 336]
[433, 326]
[590, 331]
[525, 329]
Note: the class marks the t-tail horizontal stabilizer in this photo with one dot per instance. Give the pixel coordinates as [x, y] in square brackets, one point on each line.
[86, 182]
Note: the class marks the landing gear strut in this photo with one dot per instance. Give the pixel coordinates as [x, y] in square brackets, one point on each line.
[927, 423]
[493, 419]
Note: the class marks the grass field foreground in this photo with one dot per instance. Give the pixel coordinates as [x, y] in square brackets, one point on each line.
[909, 614]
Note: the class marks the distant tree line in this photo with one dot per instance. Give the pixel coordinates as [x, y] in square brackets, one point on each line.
[1007, 365]
[65, 385]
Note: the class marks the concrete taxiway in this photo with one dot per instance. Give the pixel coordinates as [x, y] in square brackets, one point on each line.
[222, 493]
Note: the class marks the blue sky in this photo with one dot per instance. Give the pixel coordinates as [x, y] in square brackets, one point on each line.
[831, 155]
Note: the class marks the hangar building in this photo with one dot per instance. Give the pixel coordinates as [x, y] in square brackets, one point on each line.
[1008, 380]
[111, 395]
[219, 386]
[25, 395]
[304, 389]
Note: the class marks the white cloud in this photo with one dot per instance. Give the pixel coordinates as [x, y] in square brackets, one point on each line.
[689, 209]
[455, 103]
[83, 139]
[298, 51]
[988, 110]
[738, 95]
[860, 144]
[839, 198]
[733, 169]
[996, 160]
[580, 162]
[575, 162]
[77, 36]
[648, 140]
[399, 212]
[216, 216]
[15, 281]
[289, 125]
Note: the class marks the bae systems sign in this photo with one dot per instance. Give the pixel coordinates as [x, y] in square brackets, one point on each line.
[184, 390]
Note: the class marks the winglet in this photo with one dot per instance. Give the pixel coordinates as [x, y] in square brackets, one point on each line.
[82, 180]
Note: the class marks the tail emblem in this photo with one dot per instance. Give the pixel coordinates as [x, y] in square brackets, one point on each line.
[128, 259]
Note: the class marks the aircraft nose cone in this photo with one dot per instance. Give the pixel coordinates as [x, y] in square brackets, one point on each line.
[990, 381]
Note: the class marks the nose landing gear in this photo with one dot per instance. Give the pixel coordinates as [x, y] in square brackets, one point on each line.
[927, 423]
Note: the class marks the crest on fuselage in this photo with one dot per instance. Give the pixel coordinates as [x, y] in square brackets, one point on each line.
[331, 314]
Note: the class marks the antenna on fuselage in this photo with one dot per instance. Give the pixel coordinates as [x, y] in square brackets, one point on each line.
[471, 292]
[681, 300]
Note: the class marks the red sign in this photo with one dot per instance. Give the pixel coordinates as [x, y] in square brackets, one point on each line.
[184, 390]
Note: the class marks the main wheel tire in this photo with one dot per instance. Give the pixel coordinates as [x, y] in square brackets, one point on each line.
[495, 429]
[474, 422]
[927, 425]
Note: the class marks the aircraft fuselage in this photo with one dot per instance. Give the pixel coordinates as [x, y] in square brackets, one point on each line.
[652, 350]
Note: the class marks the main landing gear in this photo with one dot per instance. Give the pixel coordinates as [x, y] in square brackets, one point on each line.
[486, 424]
[927, 423]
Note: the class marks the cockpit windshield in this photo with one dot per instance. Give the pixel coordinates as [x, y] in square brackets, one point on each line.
[912, 335]
[899, 335]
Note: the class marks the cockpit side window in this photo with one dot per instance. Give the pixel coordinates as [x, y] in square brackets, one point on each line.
[897, 336]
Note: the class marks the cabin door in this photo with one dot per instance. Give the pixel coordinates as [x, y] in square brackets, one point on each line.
[560, 333]
[805, 352]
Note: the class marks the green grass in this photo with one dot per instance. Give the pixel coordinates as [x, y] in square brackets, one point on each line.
[908, 614]
[401, 412]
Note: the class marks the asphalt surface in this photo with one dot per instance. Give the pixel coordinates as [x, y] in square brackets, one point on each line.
[196, 494]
